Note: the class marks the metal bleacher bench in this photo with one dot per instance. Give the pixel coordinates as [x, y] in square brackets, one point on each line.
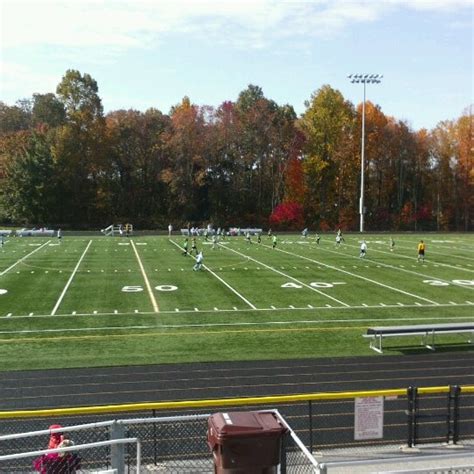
[425, 330]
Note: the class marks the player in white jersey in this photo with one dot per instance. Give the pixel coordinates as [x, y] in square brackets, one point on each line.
[198, 263]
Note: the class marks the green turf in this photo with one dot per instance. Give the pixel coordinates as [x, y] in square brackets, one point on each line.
[64, 304]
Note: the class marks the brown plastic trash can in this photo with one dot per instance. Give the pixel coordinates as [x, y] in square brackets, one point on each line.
[245, 442]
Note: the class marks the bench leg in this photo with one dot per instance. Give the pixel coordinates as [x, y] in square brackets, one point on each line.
[432, 345]
[374, 347]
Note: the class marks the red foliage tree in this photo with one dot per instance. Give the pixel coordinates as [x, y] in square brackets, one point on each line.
[287, 215]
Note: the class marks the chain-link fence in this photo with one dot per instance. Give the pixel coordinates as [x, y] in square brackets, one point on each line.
[325, 423]
[174, 445]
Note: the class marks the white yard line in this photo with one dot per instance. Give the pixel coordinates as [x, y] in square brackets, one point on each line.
[147, 283]
[23, 258]
[412, 259]
[231, 324]
[221, 280]
[288, 276]
[267, 310]
[357, 276]
[56, 306]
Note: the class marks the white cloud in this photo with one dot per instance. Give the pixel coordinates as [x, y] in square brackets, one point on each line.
[17, 78]
[121, 24]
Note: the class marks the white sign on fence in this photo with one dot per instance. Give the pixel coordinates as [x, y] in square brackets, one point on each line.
[368, 418]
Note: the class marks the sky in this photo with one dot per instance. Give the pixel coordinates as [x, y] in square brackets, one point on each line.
[145, 53]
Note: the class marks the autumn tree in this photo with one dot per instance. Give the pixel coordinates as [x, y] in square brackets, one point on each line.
[79, 148]
[48, 110]
[136, 158]
[185, 169]
[30, 188]
[330, 163]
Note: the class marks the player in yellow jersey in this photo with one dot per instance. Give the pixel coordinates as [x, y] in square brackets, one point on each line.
[421, 251]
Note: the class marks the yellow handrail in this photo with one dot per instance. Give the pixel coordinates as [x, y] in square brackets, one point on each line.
[222, 402]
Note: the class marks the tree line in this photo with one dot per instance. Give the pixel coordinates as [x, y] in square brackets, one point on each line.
[246, 162]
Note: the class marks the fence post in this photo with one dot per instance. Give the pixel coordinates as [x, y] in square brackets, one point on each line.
[284, 445]
[455, 392]
[310, 412]
[155, 447]
[117, 452]
[412, 394]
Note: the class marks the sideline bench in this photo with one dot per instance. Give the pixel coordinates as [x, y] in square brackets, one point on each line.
[425, 330]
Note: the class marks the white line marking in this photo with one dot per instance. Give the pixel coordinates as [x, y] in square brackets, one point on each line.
[237, 324]
[147, 283]
[56, 306]
[274, 309]
[357, 276]
[23, 258]
[220, 279]
[273, 269]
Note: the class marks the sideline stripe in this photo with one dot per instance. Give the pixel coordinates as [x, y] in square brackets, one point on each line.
[23, 258]
[210, 325]
[221, 280]
[271, 309]
[70, 280]
[147, 283]
[178, 334]
[288, 276]
[356, 276]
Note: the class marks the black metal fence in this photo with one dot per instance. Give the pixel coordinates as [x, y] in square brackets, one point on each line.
[410, 417]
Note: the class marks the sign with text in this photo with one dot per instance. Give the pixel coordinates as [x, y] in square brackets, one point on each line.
[368, 418]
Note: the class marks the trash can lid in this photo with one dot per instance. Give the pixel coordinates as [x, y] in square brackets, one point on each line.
[245, 424]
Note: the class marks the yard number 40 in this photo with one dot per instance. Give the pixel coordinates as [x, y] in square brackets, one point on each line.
[447, 283]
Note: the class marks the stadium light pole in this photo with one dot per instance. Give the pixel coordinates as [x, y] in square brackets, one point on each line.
[364, 79]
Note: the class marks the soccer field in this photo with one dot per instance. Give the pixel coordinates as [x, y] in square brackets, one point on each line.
[95, 301]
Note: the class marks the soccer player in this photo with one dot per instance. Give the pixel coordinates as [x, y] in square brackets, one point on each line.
[274, 241]
[338, 240]
[247, 237]
[269, 233]
[2, 240]
[305, 233]
[170, 230]
[421, 251]
[259, 238]
[363, 249]
[194, 246]
[185, 247]
[214, 242]
[318, 238]
[60, 235]
[198, 263]
[392, 244]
